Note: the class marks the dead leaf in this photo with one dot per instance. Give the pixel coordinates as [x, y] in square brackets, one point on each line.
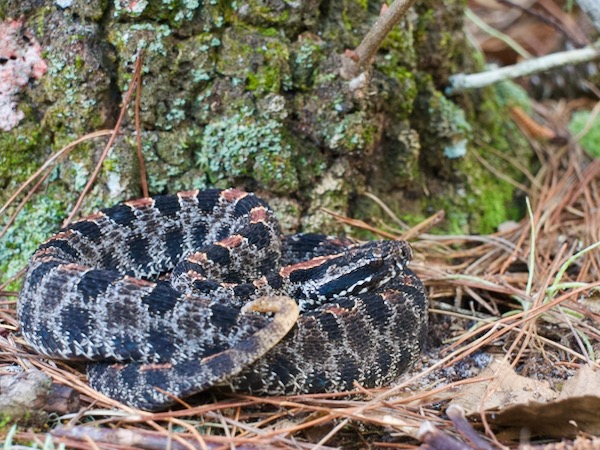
[585, 382]
[577, 409]
[519, 405]
[505, 388]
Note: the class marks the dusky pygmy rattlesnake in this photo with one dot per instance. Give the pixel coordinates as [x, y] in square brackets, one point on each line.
[167, 296]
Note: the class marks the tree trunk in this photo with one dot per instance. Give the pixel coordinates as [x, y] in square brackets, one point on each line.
[249, 94]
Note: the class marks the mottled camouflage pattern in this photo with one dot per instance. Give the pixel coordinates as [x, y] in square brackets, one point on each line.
[170, 295]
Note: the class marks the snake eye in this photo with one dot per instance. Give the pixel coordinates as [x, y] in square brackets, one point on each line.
[376, 263]
[377, 253]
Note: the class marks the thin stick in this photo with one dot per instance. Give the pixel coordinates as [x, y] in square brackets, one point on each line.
[497, 34]
[357, 61]
[138, 131]
[462, 82]
[109, 144]
[556, 285]
[531, 262]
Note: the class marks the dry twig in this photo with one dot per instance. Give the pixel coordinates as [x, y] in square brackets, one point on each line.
[356, 62]
[462, 82]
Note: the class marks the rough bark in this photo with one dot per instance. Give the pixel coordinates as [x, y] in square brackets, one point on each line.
[248, 93]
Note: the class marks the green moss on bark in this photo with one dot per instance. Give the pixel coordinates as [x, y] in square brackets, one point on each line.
[249, 94]
[260, 58]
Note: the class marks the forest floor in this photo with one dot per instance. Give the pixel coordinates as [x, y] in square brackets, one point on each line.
[513, 335]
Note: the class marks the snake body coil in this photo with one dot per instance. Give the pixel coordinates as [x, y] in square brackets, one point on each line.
[167, 296]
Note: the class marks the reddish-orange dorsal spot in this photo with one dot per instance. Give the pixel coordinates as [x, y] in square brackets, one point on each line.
[258, 214]
[232, 241]
[407, 280]
[140, 202]
[62, 236]
[233, 194]
[193, 275]
[188, 194]
[138, 282]
[45, 255]
[72, 267]
[310, 264]
[337, 311]
[93, 217]
[198, 258]
[261, 282]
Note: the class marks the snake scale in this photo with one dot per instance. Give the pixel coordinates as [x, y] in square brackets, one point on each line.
[167, 296]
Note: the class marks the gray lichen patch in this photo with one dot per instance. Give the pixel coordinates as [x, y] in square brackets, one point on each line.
[306, 53]
[34, 224]
[445, 131]
[331, 192]
[244, 145]
[186, 16]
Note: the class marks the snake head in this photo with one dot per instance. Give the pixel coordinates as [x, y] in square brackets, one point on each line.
[396, 252]
[360, 269]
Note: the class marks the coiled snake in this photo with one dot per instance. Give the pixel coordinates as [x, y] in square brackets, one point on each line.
[167, 296]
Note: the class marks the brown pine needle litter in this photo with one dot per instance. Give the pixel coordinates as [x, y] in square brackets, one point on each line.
[526, 295]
